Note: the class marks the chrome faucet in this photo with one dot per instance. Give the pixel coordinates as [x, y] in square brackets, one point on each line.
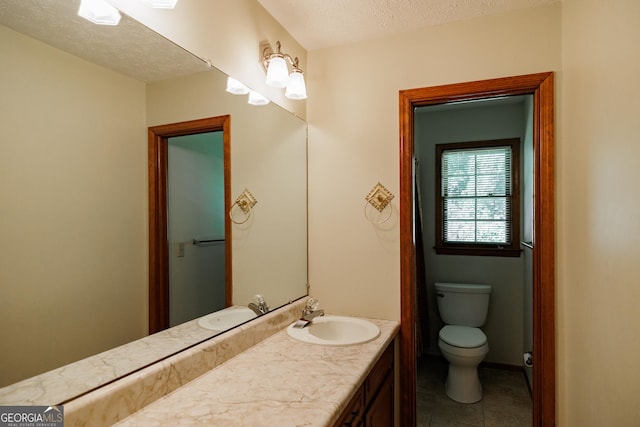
[260, 306]
[309, 312]
[312, 315]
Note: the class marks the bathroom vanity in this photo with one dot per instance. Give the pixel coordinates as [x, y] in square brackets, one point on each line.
[372, 405]
[255, 375]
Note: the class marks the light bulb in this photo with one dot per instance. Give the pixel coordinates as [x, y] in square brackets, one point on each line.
[161, 4]
[99, 12]
[296, 89]
[235, 87]
[256, 98]
[277, 72]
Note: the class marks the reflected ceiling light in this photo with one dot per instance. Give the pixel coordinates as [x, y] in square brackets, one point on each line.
[256, 98]
[99, 12]
[235, 87]
[277, 64]
[161, 4]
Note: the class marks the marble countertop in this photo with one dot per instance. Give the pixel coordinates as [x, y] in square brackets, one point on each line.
[277, 382]
[74, 379]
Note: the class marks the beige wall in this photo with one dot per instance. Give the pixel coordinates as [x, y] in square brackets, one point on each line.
[598, 227]
[353, 138]
[72, 208]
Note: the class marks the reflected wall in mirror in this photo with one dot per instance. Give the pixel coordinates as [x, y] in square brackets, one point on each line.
[73, 184]
[260, 161]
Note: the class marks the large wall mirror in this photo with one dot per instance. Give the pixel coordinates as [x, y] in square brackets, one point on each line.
[77, 101]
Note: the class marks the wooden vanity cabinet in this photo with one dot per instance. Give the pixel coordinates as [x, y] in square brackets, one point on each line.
[353, 416]
[372, 405]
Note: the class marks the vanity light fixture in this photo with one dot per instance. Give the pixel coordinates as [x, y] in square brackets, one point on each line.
[99, 12]
[161, 4]
[296, 89]
[235, 87]
[277, 64]
[256, 98]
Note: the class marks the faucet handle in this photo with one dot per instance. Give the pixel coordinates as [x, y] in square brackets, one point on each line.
[311, 306]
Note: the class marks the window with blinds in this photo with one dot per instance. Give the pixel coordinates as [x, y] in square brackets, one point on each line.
[478, 196]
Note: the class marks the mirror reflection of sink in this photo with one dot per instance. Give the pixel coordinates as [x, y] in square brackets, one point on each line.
[335, 330]
[227, 318]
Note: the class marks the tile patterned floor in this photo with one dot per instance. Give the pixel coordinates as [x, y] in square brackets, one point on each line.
[506, 400]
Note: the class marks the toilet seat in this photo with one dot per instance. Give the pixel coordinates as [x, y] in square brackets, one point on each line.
[462, 336]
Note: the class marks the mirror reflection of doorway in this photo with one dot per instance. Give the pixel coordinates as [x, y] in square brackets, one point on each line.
[195, 210]
[165, 249]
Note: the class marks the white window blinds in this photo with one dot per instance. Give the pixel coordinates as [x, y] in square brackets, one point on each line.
[476, 190]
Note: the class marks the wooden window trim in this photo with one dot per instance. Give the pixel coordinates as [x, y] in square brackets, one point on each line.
[480, 249]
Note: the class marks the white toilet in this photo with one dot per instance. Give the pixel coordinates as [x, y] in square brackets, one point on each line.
[463, 308]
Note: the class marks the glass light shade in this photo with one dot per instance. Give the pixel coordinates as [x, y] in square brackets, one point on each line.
[256, 98]
[277, 72]
[99, 12]
[235, 87]
[161, 4]
[296, 89]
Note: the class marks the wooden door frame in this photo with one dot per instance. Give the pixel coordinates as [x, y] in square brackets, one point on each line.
[541, 85]
[158, 219]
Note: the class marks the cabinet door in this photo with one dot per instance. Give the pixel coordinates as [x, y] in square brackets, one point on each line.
[353, 414]
[380, 373]
[380, 413]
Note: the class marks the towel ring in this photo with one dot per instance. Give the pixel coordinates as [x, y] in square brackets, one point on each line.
[246, 217]
[245, 202]
[366, 215]
[379, 197]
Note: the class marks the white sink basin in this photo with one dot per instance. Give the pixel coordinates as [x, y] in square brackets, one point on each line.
[226, 318]
[335, 330]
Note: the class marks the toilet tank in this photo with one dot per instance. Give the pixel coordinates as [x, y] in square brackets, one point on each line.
[463, 304]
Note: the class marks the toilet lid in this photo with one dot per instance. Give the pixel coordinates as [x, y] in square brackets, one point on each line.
[463, 336]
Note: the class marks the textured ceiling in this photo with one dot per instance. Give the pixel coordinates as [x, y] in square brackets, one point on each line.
[129, 48]
[136, 51]
[316, 24]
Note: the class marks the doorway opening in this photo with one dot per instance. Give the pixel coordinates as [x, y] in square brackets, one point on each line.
[159, 276]
[541, 87]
